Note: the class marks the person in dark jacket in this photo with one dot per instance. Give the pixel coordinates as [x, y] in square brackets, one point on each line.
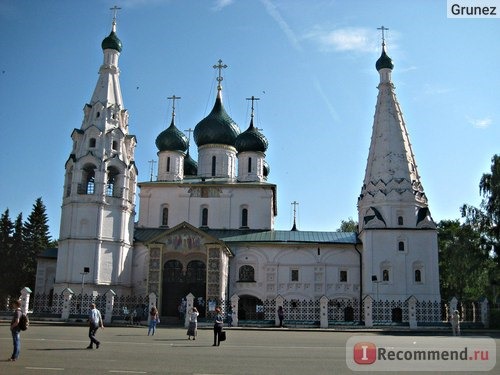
[217, 326]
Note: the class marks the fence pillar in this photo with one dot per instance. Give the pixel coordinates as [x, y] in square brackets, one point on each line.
[189, 306]
[151, 304]
[323, 312]
[279, 302]
[368, 302]
[110, 301]
[25, 299]
[484, 313]
[412, 312]
[67, 297]
[234, 309]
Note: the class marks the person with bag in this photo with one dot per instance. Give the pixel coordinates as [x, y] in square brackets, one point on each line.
[95, 321]
[218, 327]
[154, 319]
[193, 323]
[16, 330]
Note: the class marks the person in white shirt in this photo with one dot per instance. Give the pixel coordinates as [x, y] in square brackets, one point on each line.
[95, 321]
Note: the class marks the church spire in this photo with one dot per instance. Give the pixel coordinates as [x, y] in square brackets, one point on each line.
[391, 176]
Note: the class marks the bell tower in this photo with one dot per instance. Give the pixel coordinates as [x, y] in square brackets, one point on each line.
[98, 206]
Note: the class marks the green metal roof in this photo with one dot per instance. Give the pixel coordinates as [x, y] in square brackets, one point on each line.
[260, 236]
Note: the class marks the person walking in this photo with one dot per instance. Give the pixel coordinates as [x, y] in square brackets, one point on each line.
[281, 315]
[455, 323]
[193, 323]
[15, 330]
[154, 319]
[217, 326]
[95, 321]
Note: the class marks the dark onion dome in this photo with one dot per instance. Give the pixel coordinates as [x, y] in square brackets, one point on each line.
[112, 42]
[190, 166]
[217, 127]
[171, 139]
[384, 61]
[251, 140]
[266, 170]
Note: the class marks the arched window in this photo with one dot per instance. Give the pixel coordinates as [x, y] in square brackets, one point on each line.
[168, 164]
[385, 275]
[400, 220]
[88, 180]
[249, 165]
[204, 217]
[214, 159]
[69, 179]
[164, 217]
[98, 115]
[401, 246]
[111, 185]
[418, 276]
[244, 217]
[246, 273]
[92, 142]
[114, 145]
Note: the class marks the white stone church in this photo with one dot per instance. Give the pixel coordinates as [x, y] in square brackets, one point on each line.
[206, 227]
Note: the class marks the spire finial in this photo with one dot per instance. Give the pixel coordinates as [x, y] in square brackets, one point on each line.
[294, 204]
[220, 66]
[173, 98]
[152, 162]
[253, 99]
[115, 10]
[383, 29]
[189, 131]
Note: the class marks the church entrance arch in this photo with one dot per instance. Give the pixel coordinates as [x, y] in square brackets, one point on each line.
[250, 308]
[177, 284]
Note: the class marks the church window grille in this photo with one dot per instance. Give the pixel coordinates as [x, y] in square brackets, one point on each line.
[88, 181]
[385, 275]
[204, 217]
[92, 142]
[164, 217]
[246, 273]
[111, 185]
[244, 218]
[343, 276]
[418, 276]
[294, 275]
[401, 246]
[249, 165]
[400, 220]
[214, 160]
[168, 164]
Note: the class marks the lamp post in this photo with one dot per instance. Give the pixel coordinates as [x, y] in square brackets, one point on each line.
[86, 270]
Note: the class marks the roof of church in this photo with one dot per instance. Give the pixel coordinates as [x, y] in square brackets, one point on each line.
[249, 235]
[171, 139]
[251, 140]
[112, 41]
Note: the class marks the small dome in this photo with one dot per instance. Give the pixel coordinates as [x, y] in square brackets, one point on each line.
[190, 166]
[216, 128]
[171, 139]
[251, 140]
[266, 170]
[112, 42]
[384, 61]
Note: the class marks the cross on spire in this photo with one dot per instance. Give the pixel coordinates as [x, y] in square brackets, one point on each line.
[152, 162]
[294, 204]
[189, 131]
[253, 98]
[220, 66]
[383, 29]
[173, 98]
[115, 10]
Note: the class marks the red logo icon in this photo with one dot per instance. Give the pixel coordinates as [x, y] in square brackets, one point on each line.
[365, 353]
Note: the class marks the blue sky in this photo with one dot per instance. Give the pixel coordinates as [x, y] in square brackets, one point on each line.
[311, 63]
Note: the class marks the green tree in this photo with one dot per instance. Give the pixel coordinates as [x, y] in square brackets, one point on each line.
[348, 225]
[464, 262]
[6, 230]
[36, 239]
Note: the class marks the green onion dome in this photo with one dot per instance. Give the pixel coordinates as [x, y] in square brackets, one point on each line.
[190, 166]
[217, 127]
[251, 140]
[172, 139]
[112, 42]
[384, 61]
[266, 170]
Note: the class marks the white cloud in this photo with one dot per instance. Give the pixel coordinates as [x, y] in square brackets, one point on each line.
[221, 4]
[480, 123]
[346, 39]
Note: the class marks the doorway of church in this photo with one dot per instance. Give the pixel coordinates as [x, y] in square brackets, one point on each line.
[250, 308]
[177, 284]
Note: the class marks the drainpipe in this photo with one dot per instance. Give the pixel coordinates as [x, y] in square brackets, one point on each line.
[360, 279]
